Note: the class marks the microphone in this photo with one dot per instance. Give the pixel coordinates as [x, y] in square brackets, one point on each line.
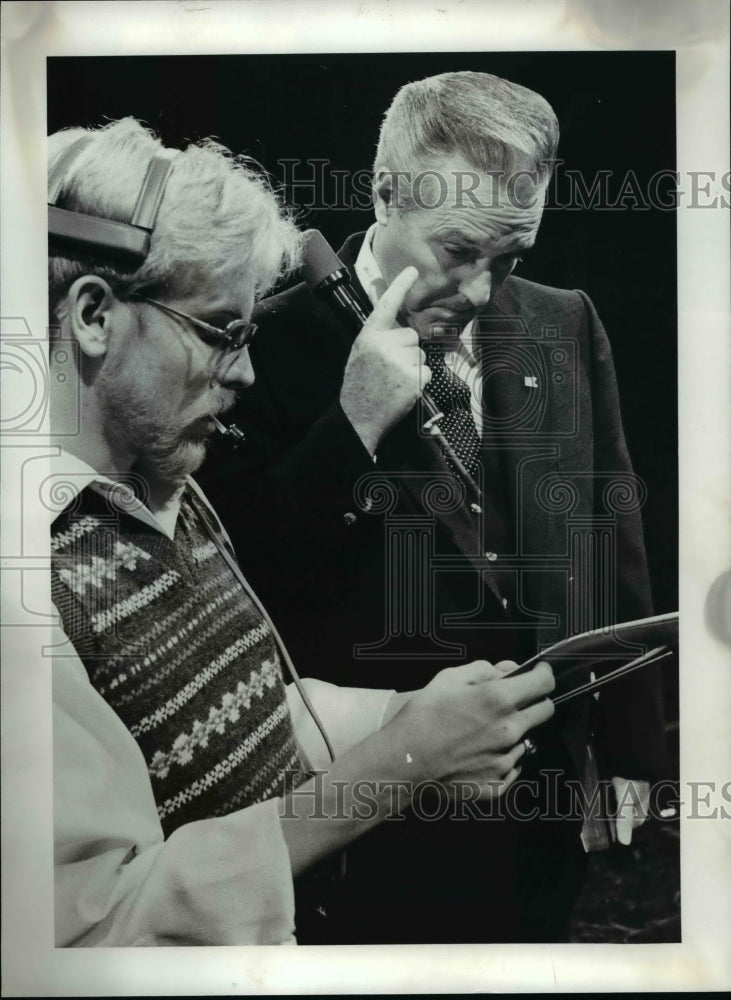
[327, 277]
[232, 435]
[325, 274]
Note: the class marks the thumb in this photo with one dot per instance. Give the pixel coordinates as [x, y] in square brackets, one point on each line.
[387, 308]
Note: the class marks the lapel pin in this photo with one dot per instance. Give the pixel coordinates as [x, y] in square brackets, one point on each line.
[531, 381]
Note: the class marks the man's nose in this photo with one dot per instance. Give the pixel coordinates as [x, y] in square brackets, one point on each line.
[477, 288]
[239, 372]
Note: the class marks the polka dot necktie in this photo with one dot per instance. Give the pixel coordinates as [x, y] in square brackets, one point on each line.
[452, 396]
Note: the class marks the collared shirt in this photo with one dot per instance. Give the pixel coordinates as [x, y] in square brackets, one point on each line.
[118, 882]
[461, 360]
[76, 474]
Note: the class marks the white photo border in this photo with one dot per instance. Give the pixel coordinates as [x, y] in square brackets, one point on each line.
[34, 31]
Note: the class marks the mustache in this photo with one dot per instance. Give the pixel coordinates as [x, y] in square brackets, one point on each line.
[217, 403]
[222, 400]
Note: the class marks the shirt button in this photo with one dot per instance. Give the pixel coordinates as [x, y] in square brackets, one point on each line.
[492, 556]
[349, 518]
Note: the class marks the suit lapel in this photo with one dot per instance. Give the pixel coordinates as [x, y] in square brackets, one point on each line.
[407, 448]
[505, 357]
[416, 463]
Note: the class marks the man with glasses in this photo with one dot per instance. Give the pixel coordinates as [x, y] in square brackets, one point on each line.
[193, 789]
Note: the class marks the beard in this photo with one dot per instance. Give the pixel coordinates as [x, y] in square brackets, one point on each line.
[162, 449]
[174, 462]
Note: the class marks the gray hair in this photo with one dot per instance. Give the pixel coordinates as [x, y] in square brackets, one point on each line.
[217, 212]
[494, 124]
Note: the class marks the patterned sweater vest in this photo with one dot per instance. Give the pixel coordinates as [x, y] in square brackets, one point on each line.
[178, 649]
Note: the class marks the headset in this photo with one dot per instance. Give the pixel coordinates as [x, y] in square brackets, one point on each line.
[127, 243]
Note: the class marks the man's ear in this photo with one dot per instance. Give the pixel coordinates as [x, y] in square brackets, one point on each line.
[384, 194]
[90, 304]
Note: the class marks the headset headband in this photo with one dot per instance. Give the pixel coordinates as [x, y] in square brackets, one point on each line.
[128, 242]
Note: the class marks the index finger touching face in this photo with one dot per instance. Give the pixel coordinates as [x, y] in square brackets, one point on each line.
[387, 308]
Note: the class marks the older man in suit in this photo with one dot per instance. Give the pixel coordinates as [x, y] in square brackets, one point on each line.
[392, 563]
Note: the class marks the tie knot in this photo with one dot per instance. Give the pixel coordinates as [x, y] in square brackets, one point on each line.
[434, 353]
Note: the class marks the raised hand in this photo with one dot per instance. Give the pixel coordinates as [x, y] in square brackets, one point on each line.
[385, 372]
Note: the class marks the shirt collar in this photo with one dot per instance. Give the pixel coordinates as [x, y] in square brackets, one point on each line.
[367, 270]
[374, 284]
[71, 475]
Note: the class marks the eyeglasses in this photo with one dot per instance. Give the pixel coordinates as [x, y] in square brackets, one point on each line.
[235, 335]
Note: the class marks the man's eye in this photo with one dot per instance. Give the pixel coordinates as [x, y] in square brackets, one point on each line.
[461, 253]
[209, 337]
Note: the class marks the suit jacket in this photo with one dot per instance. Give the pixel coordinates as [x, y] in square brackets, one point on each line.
[374, 571]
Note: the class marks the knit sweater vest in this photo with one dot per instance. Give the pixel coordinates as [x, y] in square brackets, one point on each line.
[174, 644]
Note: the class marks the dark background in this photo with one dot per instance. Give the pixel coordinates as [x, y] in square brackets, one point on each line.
[617, 113]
